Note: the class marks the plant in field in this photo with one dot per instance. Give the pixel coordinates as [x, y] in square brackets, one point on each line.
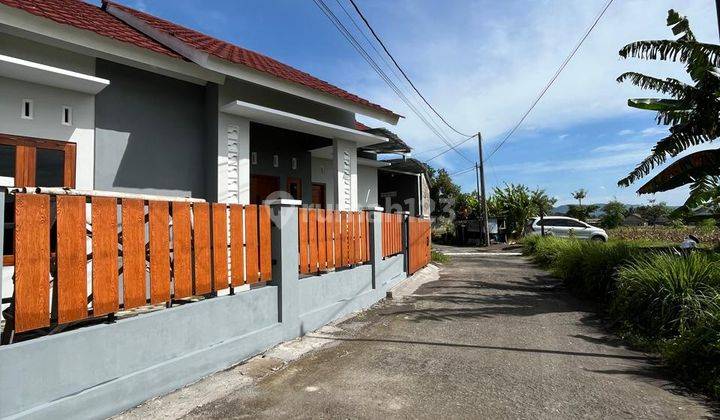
[654, 212]
[664, 295]
[614, 213]
[691, 112]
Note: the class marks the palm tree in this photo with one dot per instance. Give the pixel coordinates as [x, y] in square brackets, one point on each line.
[579, 195]
[691, 111]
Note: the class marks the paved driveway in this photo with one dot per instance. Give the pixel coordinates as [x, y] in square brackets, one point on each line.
[494, 337]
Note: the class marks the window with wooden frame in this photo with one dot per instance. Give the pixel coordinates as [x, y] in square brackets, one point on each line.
[30, 162]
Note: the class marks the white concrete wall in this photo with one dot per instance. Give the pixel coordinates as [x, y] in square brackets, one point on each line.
[233, 159]
[345, 165]
[48, 104]
[323, 172]
[367, 186]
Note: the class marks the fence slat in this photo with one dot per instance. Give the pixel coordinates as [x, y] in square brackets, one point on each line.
[313, 240]
[366, 229]
[237, 265]
[265, 244]
[133, 240]
[71, 259]
[32, 262]
[104, 256]
[219, 246]
[321, 240]
[182, 249]
[159, 251]
[344, 238]
[251, 243]
[357, 242]
[201, 241]
[303, 240]
[337, 238]
[329, 244]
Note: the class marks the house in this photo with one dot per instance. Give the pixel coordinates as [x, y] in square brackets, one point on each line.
[634, 219]
[112, 98]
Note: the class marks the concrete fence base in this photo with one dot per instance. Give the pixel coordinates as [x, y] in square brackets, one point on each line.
[98, 371]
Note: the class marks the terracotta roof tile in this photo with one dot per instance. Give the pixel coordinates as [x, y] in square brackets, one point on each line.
[239, 55]
[86, 16]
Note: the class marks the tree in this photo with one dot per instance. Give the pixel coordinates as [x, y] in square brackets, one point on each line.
[543, 205]
[517, 203]
[581, 212]
[691, 111]
[580, 195]
[614, 214]
[441, 188]
[466, 206]
[653, 212]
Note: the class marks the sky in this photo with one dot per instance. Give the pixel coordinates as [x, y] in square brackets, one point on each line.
[481, 64]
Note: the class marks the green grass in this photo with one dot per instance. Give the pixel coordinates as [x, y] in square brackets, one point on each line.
[668, 302]
[664, 295]
[439, 257]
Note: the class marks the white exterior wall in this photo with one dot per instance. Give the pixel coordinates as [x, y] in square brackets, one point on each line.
[367, 186]
[345, 168]
[233, 159]
[48, 103]
[323, 172]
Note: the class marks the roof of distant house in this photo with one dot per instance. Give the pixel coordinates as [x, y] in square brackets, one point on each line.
[89, 17]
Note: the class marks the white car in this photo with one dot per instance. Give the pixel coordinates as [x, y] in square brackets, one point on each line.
[565, 227]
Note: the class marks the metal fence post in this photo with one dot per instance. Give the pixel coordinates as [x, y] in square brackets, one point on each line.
[285, 272]
[406, 241]
[375, 237]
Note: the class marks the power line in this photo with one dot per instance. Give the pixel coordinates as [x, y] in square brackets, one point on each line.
[382, 44]
[366, 56]
[385, 61]
[552, 80]
[546, 88]
[447, 150]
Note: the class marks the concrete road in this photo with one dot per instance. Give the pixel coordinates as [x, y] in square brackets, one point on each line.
[492, 338]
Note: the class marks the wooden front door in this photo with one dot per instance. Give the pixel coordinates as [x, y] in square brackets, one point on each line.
[318, 195]
[294, 188]
[261, 186]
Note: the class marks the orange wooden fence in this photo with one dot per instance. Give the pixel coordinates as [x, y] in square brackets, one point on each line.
[331, 239]
[392, 237]
[418, 243]
[181, 249]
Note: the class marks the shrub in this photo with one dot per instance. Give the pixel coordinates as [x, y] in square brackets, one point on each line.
[694, 357]
[663, 294]
[439, 257]
[529, 244]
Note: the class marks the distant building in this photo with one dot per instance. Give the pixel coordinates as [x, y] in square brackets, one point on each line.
[634, 220]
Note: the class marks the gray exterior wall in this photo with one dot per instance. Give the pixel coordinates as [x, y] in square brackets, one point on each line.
[98, 371]
[235, 89]
[151, 133]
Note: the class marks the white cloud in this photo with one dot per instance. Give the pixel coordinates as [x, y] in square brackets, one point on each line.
[621, 147]
[590, 163]
[563, 136]
[625, 132]
[654, 131]
[485, 72]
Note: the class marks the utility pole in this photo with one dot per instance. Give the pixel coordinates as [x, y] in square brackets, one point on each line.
[481, 174]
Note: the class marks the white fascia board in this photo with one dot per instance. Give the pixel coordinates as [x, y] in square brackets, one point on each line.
[28, 71]
[246, 73]
[299, 123]
[24, 24]
[327, 153]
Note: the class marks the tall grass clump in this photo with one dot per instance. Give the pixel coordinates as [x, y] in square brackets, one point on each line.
[549, 248]
[694, 357]
[663, 295]
[599, 265]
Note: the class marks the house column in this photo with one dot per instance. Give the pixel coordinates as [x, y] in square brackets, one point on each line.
[345, 166]
[233, 160]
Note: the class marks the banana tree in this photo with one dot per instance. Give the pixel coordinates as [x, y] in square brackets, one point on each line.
[691, 110]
